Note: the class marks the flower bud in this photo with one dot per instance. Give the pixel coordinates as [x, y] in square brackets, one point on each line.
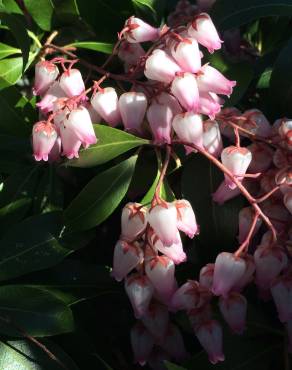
[247, 277]
[70, 142]
[187, 54]
[142, 343]
[209, 105]
[133, 221]
[105, 102]
[161, 67]
[236, 160]
[246, 216]
[137, 30]
[256, 122]
[184, 88]
[209, 335]
[281, 290]
[126, 258]
[186, 219]
[224, 193]
[54, 92]
[288, 201]
[206, 275]
[133, 107]
[130, 53]
[173, 343]
[262, 157]
[227, 272]
[156, 320]
[233, 308]
[211, 80]
[285, 132]
[175, 251]
[204, 31]
[55, 153]
[212, 139]
[45, 74]
[44, 136]
[139, 290]
[72, 83]
[199, 316]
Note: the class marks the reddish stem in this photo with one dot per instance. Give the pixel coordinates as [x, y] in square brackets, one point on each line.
[246, 242]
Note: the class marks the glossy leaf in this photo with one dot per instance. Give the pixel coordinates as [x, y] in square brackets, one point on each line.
[7, 50]
[103, 47]
[165, 191]
[34, 311]
[41, 12]
[149, 9]
[100, 197]
[111, 143]
[171, 366]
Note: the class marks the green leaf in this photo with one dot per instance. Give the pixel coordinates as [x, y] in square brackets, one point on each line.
[264, 80]
[171, 366]
[100, 196]
[25, 355]
[103, 47]
[229, 13]
[7, 50]
[150, 9]
[111, 143]
[34, 311]
[218, 224]
[165, 191]
[41, 12]
[10, 6]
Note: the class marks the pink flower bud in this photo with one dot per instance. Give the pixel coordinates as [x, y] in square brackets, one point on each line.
[186, 219]
[126, 258]
[163, 219]
[72, 83]
[175, 251]
[284, 180]
[189, 296]
[44, 136]
[224, 193]
[45, 74]
[54, 92]
[209, 105]
[211, 80]
[210, 337]
[206, 275]
[187, 54]
[269, 261]
[133, 221]
[227, 272]
[236, 160]
[247, 277]
[133, 107]
[281, 290]
[288, 201]
[184, 88]
[94, 116]
[212, 139]
[142, 343]
[79, 122]
[139, 290]
[285, 132]
[131, 54]
[105, 102]
[137, 30]
[156, 320]
[277, 213]
[70, 143]
[199, 316]
[233, 308]
[55, 153]
[161, 67]
[256, 122]
[262, 156]
[204, 31]
[245, 220]
[173, 343]
[160, 271]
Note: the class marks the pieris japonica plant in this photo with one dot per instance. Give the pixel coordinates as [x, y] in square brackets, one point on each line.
[162, 95]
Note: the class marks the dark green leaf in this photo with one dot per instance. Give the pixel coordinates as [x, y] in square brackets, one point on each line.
[171, 366]
[33, 310]
[165, 191]
[103, 47]
[111, 143]
[229, 13]
[25, 355]
[264, 80]
[149, 9]
[10, 6]
[41, 12]
[100, 197]
[7, 50]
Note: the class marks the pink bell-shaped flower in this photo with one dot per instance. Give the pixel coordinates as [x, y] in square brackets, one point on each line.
[227, 272]
[72, 83]
[184, 88]
[133, 107]
[163, 219]
[187, 54]
[54, 92]
[236, 160]
[245, 217]
[248, 275]
[70, 143]
[224, 193]
[161, 67]
[44, 136]
[79, 122]
[186, 219]
[126, 258]
[130, 53]
[142, 343]
[156, 320]
[288, 201]
[175, 251]
[173, 343]
[208, 105]
[211, 80]
[281, 290]
[262, 157]
[233, 308]
[105, 102]
[269, 262]
[160, 271]
[212, 139]
[55, 153]
[139, 290]
[189, 127]
[204, 31]
[209, 335]
[256, 122]
[133, 221]
[199, 316]
[206, 275]
[285, 132]
[46, 73]
[136, 30]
